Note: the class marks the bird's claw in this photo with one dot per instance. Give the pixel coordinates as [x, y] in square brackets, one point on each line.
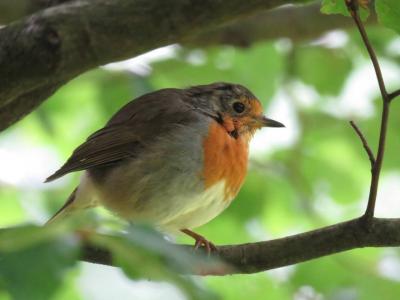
[201, 241]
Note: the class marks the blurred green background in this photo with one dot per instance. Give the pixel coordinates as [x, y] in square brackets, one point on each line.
[311, 174]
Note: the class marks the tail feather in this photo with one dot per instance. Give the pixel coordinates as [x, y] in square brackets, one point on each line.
[64, 210]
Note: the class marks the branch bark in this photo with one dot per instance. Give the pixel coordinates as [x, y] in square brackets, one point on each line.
[54, 45]
[394, 94]
[284, 22]
[262, 256]
[13, 10]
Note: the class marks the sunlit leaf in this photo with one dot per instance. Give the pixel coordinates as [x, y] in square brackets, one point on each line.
[311, 65]
[339, 7]
[389, 13]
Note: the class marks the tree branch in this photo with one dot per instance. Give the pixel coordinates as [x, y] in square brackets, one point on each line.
[262, 256]
[283, 22]
[61, 42]
[13, 10]
[352, 6]
[364, 142]
[394, 95]
[261, 26]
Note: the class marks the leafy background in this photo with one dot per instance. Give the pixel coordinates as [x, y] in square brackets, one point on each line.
[311, 174]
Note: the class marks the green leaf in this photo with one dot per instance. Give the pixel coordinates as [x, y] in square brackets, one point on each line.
[339, 7]
[389, 13]
[325, 69]
[144, 253]
[11, 210]
[334, 7]
[363, 280]
[255, 67]
[34, 261]
[256, 286]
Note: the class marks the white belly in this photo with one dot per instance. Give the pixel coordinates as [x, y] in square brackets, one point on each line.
[199, 210]
[170, 213]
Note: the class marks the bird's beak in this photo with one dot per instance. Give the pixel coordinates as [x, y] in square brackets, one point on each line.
[266, 122]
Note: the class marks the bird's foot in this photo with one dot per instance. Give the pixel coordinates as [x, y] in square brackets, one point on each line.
[200, 241]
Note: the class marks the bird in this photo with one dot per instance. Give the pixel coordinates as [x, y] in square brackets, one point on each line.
[172, 158]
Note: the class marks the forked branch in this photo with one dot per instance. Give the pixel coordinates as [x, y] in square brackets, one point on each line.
[352, 6]
[367, 148]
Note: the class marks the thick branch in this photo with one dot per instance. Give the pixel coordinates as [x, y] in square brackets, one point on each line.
[58, 43]
[53, 46]
[13, 10]
[261, 256]
[284, 22]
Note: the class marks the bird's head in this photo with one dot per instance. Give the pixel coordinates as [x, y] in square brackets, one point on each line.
[234, 107]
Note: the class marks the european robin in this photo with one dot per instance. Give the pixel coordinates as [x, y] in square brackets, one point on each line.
[174, 158]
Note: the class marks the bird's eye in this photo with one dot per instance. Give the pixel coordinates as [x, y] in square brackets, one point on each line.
[238, 107]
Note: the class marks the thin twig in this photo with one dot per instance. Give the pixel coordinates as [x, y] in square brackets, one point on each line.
[393, 95]
[367, 148]
[352, 6]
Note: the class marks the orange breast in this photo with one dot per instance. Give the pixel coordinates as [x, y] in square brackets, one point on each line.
[225, 158]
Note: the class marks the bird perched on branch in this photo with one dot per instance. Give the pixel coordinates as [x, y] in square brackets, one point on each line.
[174, 158]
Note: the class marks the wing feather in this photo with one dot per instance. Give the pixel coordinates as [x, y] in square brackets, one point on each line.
[105, 147]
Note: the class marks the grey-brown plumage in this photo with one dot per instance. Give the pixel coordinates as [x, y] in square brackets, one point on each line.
[133, 125]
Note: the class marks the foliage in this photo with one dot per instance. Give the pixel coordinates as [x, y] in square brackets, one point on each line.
[50, 252]
[315, 172]
[339, 7]
[388, 11]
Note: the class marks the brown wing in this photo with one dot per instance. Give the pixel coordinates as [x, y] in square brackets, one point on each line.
[129, 130]
[104, 147]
